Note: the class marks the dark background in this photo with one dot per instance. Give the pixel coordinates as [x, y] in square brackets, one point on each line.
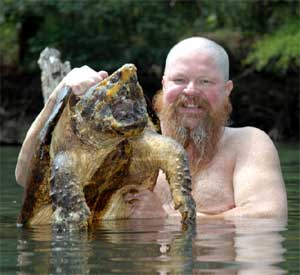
[262, 39]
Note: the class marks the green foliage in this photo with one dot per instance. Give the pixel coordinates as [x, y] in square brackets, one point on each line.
[9, 37]
[104, 34]
[108, 33]
[279, 50]
[8, 43]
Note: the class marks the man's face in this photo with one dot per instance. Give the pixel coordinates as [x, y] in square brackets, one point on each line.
[194, 105]
[197, 79]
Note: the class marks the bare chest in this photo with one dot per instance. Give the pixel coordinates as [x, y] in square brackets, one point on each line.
[212, 187]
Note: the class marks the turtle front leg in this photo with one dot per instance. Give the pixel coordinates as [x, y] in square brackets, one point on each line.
[66, 192]
[164, 153]
[178, 176]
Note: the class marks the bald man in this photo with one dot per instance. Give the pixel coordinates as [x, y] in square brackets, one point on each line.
[235, 171]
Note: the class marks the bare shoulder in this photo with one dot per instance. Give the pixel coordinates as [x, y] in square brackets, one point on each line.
[249, 139]
[246, 133]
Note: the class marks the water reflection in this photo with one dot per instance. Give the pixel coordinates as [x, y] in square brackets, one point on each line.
[156, 247]
[42, 251]
[262, 250]
[240, 247]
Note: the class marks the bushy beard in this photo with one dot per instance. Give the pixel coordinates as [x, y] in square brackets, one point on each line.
[204, 136]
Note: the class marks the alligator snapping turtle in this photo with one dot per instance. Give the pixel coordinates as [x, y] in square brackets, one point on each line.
[94, 149]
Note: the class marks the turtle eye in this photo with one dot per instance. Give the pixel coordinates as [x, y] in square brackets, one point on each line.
[115, 77]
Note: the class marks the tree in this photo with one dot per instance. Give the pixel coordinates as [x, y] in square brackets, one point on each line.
[259, 36]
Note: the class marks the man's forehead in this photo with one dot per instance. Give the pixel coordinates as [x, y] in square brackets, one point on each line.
[191, 54]
[181, 61]
[190, 46]
[204, 53]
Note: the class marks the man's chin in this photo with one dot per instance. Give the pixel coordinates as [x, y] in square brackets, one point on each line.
[190, 122]
[189, 125]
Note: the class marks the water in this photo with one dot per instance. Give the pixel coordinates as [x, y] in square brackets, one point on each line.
[153, 246]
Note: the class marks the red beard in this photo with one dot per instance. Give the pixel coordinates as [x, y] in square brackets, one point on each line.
[204, 137]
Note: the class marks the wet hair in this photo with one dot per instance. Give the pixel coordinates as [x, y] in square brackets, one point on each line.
[202, 44]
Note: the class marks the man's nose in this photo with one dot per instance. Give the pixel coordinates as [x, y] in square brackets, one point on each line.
[190, 89]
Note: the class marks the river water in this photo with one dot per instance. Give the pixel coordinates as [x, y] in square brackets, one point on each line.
[152, 246]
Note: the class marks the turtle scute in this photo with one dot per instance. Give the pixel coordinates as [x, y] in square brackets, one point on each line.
[95, 149]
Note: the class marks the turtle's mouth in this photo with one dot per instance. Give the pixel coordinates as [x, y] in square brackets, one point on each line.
[129, 115]
[123, 110]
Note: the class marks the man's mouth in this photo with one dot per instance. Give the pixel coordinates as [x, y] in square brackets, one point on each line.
[190, 108]
[190, 105]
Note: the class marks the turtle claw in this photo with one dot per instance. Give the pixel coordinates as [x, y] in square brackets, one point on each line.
[187, 210]
[69, 227]
[188, 217]
[71, 220]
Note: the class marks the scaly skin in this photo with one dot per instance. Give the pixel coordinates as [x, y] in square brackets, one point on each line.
[101, 148]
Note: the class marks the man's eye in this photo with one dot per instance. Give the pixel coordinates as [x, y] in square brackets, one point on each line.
[204, 82]
[179, 80]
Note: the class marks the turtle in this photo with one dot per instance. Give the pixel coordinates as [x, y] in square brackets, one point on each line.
[95, 148]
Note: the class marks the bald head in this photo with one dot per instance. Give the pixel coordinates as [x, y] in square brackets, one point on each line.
[201, 45]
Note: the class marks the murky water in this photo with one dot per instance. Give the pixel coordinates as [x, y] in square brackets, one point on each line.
[152, 246]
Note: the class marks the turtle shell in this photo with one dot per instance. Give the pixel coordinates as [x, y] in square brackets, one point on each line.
[37, 188]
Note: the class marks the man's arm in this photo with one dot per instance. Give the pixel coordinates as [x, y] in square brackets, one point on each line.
[259, 189]
[79, 79]
[27, 149]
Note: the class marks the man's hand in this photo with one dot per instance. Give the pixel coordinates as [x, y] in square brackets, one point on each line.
[80, 79]
[142, 203]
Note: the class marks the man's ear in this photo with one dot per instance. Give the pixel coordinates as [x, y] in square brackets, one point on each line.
[228, 87]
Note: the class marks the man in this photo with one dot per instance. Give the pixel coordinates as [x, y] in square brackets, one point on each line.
[235, 171]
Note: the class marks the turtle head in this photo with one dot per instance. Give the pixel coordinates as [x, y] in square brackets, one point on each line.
[115, 106]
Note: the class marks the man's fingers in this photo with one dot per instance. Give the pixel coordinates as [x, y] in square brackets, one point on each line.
[81, 79]
[103, 74]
